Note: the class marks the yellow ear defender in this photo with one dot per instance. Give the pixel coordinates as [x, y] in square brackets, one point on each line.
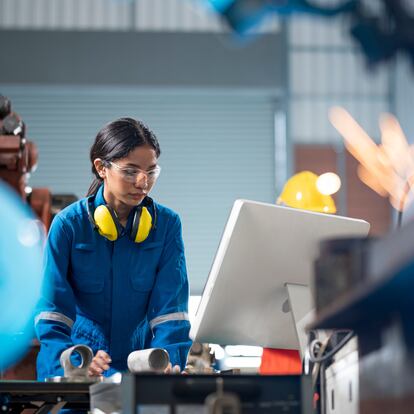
[142, 225]
[105, 221]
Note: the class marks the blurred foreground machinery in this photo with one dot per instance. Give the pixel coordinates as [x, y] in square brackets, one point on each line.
[18, 159]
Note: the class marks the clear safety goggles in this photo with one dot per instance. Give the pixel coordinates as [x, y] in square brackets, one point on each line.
[131, 174]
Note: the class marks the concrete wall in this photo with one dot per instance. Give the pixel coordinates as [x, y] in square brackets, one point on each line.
[122, 58]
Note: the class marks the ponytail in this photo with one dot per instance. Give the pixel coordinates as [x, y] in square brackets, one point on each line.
[93, 189]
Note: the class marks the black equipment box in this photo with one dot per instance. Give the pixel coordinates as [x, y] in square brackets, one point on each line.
[379, 308]
[179, 394]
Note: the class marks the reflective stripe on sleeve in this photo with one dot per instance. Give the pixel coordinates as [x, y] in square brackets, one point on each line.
[177, 316]
[54, 316]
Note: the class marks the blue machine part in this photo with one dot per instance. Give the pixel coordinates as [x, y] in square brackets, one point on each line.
[244, 15]
[381, 32]
[21, 245]
[220, 5]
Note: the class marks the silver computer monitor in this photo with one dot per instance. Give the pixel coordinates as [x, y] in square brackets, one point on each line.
[264, 250]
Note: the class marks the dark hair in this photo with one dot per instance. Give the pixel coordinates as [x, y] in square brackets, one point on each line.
[116, 140]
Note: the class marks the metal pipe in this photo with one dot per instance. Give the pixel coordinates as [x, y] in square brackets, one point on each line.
[86, 356]
[153, 359]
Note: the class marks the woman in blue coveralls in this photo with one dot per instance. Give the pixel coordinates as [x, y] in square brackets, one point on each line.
[115, 263]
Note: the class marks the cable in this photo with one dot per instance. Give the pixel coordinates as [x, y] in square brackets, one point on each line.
[320, 357]
[316, 370]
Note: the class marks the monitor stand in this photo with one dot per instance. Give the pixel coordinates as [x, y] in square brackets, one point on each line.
[302, 311]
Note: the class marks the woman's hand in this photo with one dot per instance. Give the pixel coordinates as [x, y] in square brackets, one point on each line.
[172, 370]
[99, 364]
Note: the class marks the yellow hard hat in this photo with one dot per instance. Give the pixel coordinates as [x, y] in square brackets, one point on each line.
[300, 191]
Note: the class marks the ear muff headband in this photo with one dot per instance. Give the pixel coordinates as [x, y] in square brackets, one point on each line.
[105, 221]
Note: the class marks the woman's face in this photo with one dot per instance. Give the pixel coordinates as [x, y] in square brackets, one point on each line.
[130, 179]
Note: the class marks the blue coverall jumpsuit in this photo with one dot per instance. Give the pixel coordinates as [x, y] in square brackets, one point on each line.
[116, 296]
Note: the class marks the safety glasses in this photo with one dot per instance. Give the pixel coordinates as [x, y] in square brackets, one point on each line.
[131, 174]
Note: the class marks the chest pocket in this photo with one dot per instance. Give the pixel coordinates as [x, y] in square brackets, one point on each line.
[86, 273]
[143, 275]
